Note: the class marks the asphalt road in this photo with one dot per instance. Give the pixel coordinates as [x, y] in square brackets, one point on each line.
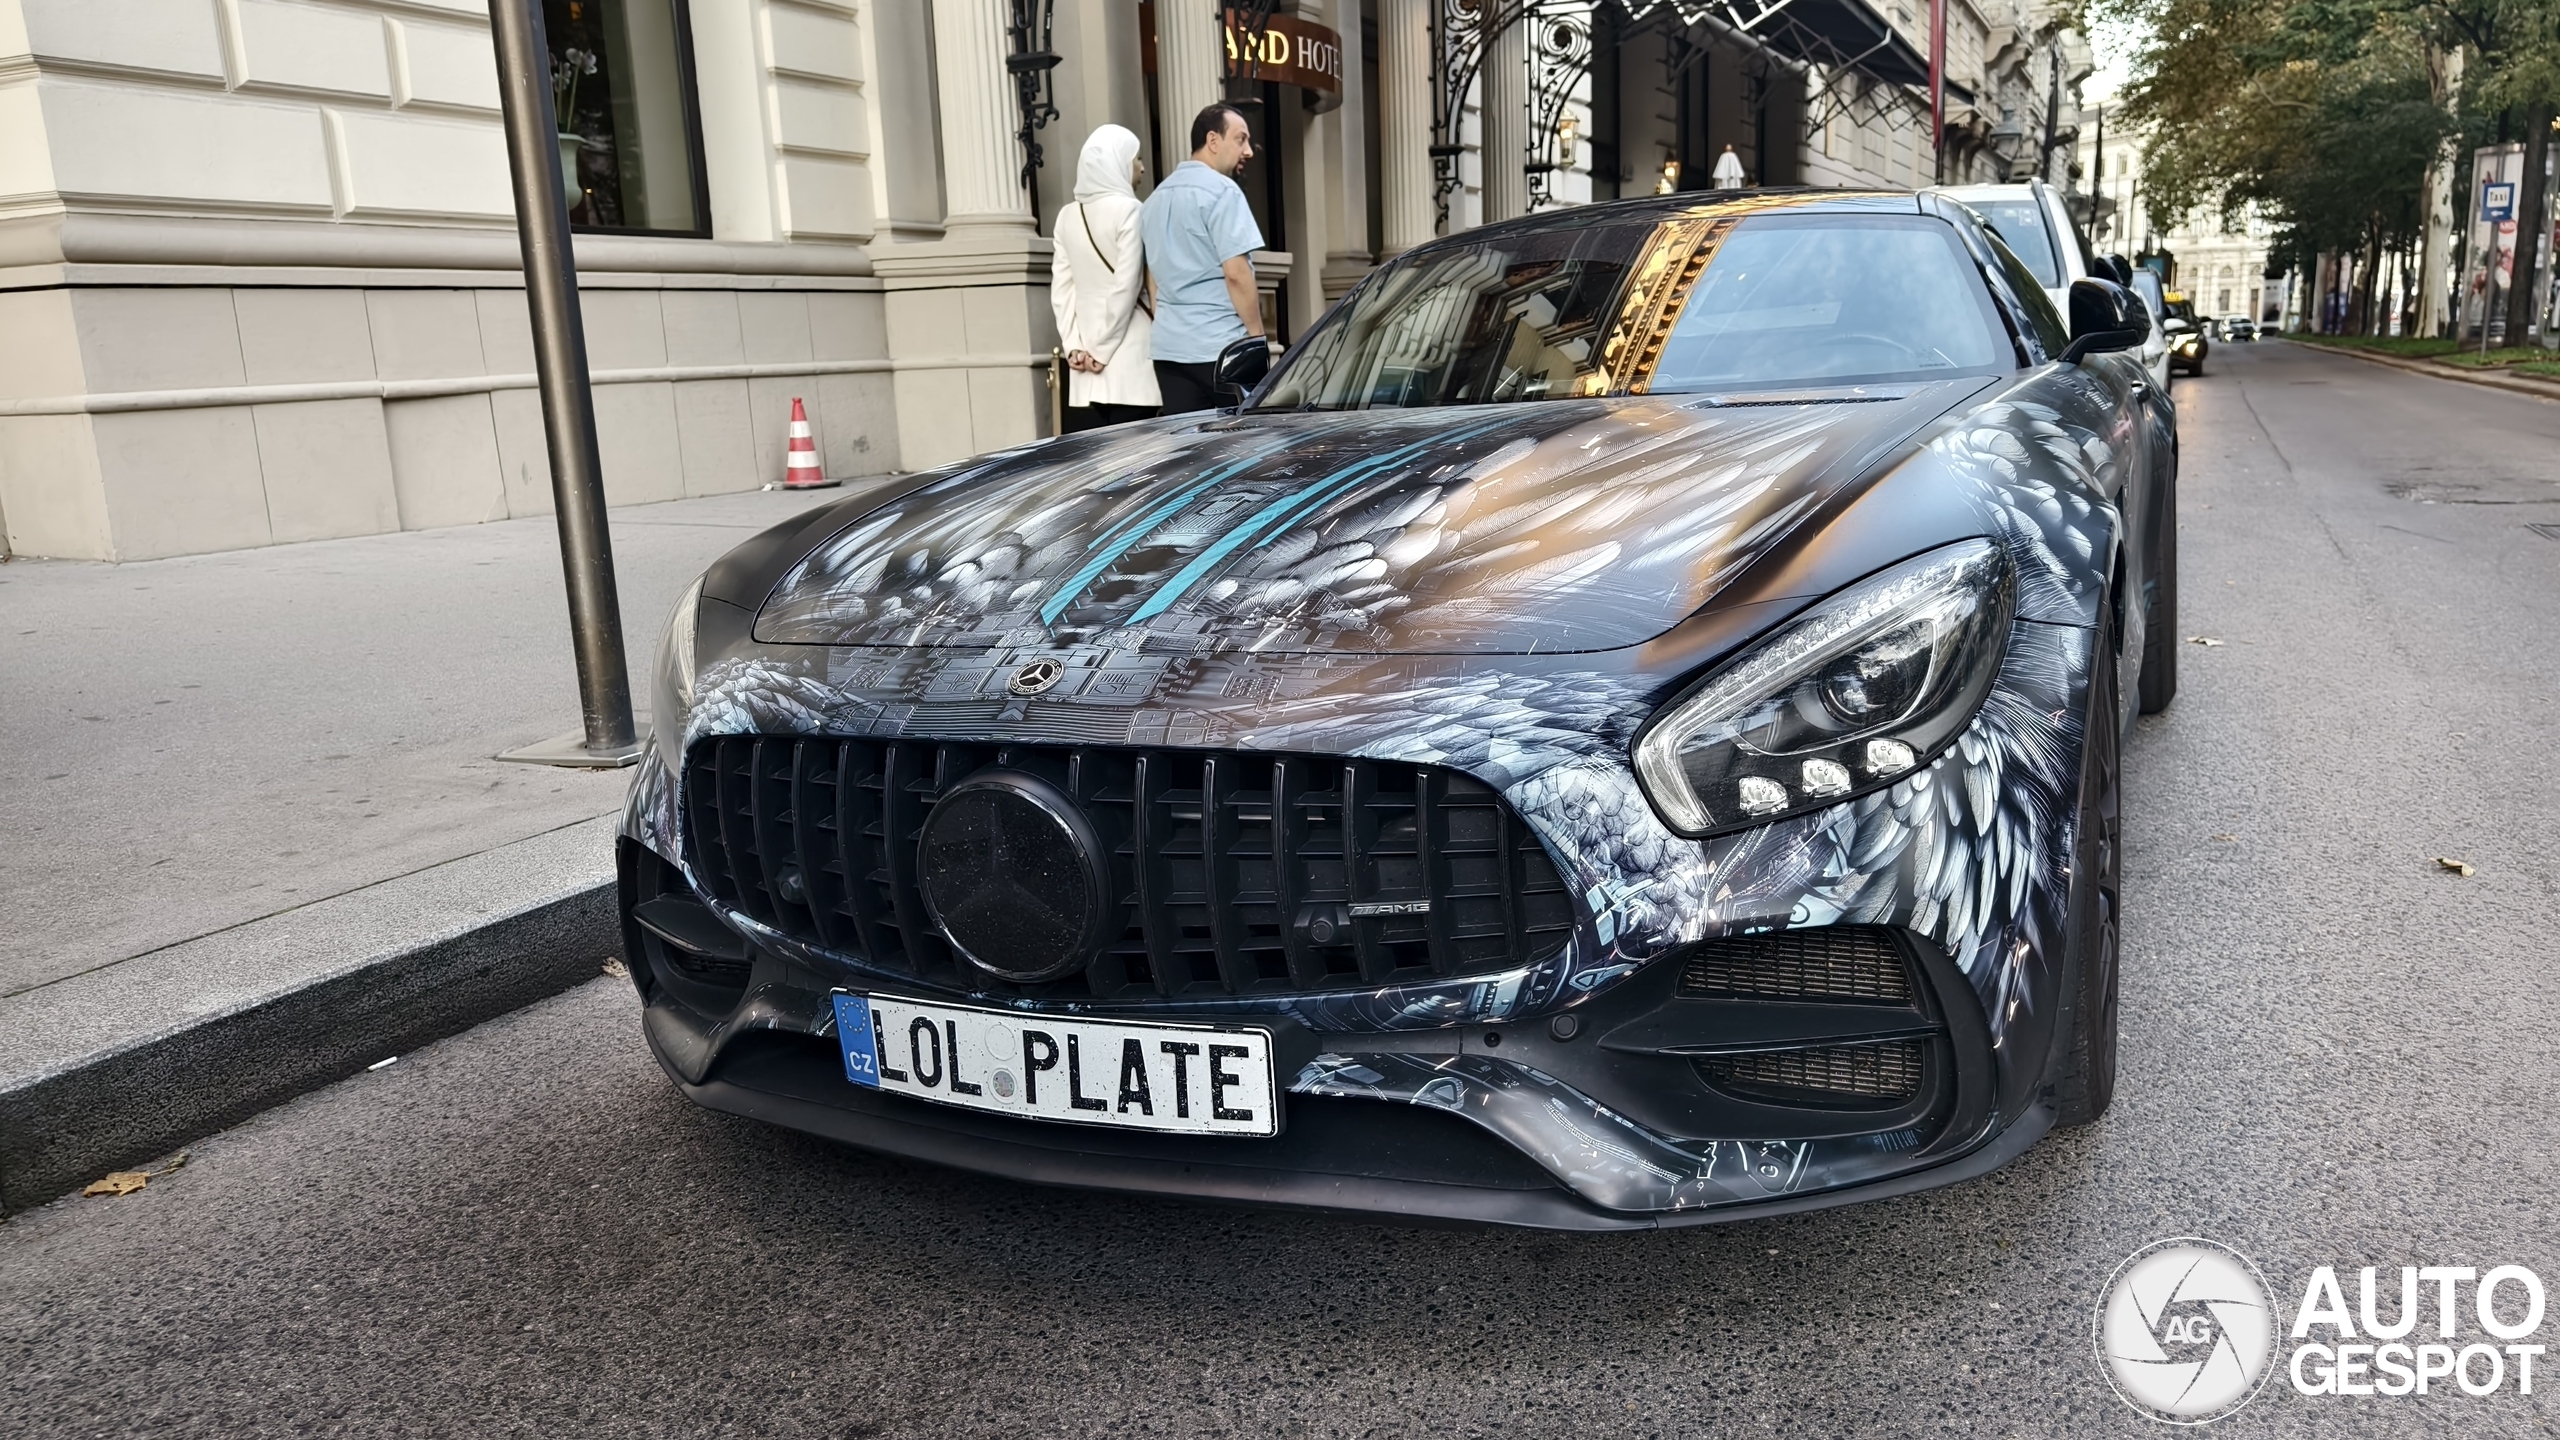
[2335, 1052]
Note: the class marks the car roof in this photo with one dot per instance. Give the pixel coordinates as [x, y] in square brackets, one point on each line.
[2006, 190]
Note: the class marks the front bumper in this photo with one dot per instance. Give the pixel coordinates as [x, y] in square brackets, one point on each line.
[1338, 1154]
[1602, 1116]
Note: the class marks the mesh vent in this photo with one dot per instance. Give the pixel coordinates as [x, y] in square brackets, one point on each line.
[1229, 873]
[708, 969]
[1882, 1072]
[1853, 964]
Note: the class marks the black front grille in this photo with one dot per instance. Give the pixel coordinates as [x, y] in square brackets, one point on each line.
[1855, 964]
[1858, 1074]
[1233, 873]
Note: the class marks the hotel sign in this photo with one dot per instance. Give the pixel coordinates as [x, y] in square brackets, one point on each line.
[1287, 51]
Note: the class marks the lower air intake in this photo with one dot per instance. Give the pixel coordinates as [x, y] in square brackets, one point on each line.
[1878, 1074]
[1824, 964]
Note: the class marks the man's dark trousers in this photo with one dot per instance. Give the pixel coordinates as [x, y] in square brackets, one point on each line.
[1188, 385]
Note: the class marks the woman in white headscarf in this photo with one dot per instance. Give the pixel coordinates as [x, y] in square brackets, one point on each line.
[1097, 286]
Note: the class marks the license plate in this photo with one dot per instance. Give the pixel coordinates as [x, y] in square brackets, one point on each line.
[1191, 1079]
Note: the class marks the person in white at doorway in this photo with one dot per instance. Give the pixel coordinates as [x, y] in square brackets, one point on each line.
[1728, 172]
[1097, 288]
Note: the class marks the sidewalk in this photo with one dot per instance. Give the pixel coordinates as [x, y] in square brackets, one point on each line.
[239, 775]
[2493, 378]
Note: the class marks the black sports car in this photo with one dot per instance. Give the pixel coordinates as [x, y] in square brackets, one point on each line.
[1620, 729]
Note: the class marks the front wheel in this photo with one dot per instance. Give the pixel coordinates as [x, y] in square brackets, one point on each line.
[2088, 1083]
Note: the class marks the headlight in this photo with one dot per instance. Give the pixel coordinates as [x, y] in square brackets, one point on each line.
[1855, 693]
[671, 690]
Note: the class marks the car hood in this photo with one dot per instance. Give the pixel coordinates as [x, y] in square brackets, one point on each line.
[1564, 525]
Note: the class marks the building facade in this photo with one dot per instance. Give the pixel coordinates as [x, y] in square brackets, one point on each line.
[2220, 269]
[259, 279]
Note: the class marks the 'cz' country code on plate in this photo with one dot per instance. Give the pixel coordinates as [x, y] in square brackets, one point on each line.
[1190, 1079]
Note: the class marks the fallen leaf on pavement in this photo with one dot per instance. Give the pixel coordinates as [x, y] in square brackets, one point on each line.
[176, 1163]
[617, 969]
[2204, 640]
[2458, 867]
[2227, 839]
[122, 1182]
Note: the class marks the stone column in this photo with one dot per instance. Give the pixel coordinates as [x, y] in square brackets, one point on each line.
[1504, 88]
[981, 151]
[1404, 123]
[1346, 250]
[968, 315]
[1191, 68]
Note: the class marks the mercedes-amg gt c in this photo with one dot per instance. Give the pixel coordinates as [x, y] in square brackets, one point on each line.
[1619, 729]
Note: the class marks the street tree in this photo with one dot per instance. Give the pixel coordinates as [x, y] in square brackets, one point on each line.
[2334, 117]
[2316, 113]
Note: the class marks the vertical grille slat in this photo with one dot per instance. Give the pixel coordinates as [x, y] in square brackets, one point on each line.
[1230, 873]
[769, 797]
[737, 829]
[1359, 864]
[1289, 829]
[813, 845]
[1147, 826]
[709, 851]
[1430, 840]
[1218, 870]
[855, 815]
[899, 817]
[1507, 854]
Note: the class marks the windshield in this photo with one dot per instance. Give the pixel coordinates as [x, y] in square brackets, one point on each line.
[1693, 303]
[2021, 223]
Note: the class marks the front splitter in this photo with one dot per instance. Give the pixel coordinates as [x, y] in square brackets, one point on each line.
[1348, 1157]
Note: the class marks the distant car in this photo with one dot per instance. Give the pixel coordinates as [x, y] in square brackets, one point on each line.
[2188, 343]
[2035, 223]
[2241, 328]
[1619, 729]
[2146, 283]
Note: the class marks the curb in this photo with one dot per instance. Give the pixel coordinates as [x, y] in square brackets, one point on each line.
[2514, 385]
[136, 1097]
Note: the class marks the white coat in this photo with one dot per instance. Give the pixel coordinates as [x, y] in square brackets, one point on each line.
[1097, 277]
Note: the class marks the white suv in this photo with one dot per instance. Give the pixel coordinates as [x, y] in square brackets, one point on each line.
[2032, 220]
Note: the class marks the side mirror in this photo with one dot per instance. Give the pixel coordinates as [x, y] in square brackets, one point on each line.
[1242, 365]
[2116, 268]
[2104, 316]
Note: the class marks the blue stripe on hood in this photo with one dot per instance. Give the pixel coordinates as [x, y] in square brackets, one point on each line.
[1292, 507]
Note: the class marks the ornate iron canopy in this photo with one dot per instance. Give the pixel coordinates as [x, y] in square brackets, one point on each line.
[1832, 40]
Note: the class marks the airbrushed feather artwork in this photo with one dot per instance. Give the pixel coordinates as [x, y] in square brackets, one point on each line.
[1405, 737]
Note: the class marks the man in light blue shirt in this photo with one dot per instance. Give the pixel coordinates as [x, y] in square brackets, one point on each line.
[1200, 239]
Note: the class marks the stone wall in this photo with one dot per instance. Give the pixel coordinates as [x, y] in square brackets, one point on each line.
[258, 273]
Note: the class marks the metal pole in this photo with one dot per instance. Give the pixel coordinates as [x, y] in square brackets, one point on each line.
[568, 407]
[1938, 92]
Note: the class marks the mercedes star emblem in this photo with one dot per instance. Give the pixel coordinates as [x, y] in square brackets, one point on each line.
[1035, 677]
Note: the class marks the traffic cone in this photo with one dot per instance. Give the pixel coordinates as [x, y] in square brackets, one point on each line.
[802, 472]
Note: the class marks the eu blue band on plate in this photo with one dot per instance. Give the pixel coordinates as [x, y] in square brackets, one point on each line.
[855, 1033]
